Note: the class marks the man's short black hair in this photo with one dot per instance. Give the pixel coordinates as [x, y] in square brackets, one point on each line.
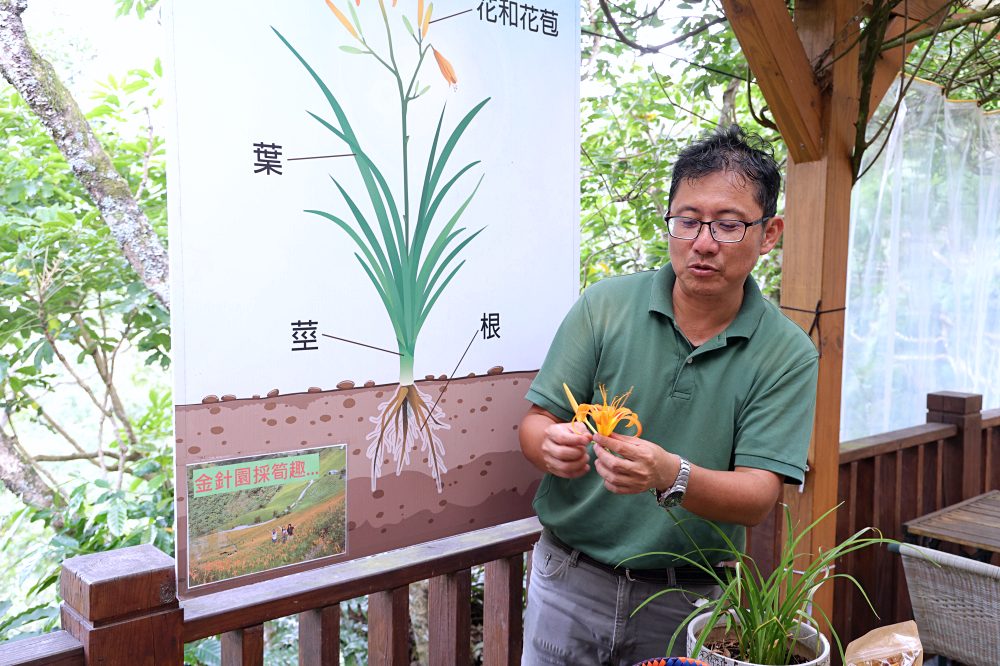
[737, 151]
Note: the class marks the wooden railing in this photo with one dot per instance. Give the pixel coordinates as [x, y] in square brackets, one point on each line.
[886, 480]
[120, 607]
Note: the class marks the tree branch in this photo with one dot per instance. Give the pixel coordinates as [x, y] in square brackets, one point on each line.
[964, 19]
[18, 474]
[42, 284]
[52, 424]
[36, 81]
[102, 369]
[655, 49]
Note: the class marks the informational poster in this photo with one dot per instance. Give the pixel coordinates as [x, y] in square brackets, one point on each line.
[373, 217]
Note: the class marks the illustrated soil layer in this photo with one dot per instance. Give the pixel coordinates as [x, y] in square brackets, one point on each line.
[488, 481]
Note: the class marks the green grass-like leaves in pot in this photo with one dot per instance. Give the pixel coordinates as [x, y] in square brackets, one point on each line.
[764, 614]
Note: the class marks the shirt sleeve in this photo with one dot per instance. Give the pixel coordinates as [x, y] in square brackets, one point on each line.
[572, 359]
[775, 426]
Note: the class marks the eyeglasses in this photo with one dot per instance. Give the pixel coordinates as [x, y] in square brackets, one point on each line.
[723, 231]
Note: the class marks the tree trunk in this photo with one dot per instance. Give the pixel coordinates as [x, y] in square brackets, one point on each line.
[48, 98]
[20, 477]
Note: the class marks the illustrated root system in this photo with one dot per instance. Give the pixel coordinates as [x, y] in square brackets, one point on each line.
[402, 422]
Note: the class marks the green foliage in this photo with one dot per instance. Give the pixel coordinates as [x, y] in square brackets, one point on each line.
[70, 303]
[97, 518]
[637, 113]
[139, 7]
[764, 612]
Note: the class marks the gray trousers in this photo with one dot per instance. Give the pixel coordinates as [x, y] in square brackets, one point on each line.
[579, 614]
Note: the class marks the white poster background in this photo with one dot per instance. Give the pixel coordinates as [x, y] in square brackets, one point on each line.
[247, 261]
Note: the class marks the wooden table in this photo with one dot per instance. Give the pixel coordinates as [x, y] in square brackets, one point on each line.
[974, 523]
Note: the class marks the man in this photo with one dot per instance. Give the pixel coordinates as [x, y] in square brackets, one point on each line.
[724, 386]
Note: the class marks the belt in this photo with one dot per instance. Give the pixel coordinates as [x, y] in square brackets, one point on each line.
[683, 575]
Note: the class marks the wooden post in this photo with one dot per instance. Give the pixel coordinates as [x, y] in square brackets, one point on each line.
[243, 647]
[319, 637]
[449, 601]
[814, 267]
[963, 456]
[503, 634]
[122, 606]
[389, 627]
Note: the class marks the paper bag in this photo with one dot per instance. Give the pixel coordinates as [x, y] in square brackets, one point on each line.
[894, 645]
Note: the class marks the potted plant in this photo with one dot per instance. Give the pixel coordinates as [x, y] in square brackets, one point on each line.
[765, 620]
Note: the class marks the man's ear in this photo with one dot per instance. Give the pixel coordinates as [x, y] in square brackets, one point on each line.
[772, 232]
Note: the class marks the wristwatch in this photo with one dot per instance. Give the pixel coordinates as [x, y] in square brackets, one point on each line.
[674, 495]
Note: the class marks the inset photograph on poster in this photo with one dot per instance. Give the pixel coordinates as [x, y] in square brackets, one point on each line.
[247, 515]
[374, 237]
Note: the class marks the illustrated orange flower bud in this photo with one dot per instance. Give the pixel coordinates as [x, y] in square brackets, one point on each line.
[447, 71]
[420, 12]
[343, 19]
[427, 20]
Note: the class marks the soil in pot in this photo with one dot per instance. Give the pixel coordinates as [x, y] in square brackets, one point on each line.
[730, 648]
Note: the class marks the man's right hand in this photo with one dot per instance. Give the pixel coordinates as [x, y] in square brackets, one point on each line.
[553, 446]
[564, 450]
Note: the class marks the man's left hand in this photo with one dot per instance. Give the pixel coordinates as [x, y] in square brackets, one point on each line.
[631, 465]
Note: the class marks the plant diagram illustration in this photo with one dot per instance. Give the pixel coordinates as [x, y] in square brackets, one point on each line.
[409, 244]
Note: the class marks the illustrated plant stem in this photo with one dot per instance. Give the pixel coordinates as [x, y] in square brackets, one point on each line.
[405, 368]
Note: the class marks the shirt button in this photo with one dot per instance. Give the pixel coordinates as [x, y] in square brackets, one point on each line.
[690, 361]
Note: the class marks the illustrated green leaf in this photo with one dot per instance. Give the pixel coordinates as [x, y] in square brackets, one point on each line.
[409, 27]
[354, 50]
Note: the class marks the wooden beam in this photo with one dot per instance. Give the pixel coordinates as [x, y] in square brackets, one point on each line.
[814, 265]
[783, 70]
[917, 10]
[920, 10]
[890, 61]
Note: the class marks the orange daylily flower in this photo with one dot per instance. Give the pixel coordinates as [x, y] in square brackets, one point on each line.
[447, 71]
[605, 417]
[343, 19]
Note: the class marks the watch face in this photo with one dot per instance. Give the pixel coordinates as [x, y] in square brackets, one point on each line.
[672, 499]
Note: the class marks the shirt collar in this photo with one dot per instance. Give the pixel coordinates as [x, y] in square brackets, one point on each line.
[661, 299]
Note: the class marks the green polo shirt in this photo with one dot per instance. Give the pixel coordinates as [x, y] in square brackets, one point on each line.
[745, 398]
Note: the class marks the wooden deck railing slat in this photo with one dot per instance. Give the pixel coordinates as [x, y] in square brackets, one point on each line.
[319, 636]
[991, 418]
[448, 600]
[58, 648]
[243, 647]
[389, 627]
[877, 445]
[503, 601]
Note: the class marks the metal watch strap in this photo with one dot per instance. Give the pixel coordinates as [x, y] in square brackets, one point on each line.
[674, 495]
